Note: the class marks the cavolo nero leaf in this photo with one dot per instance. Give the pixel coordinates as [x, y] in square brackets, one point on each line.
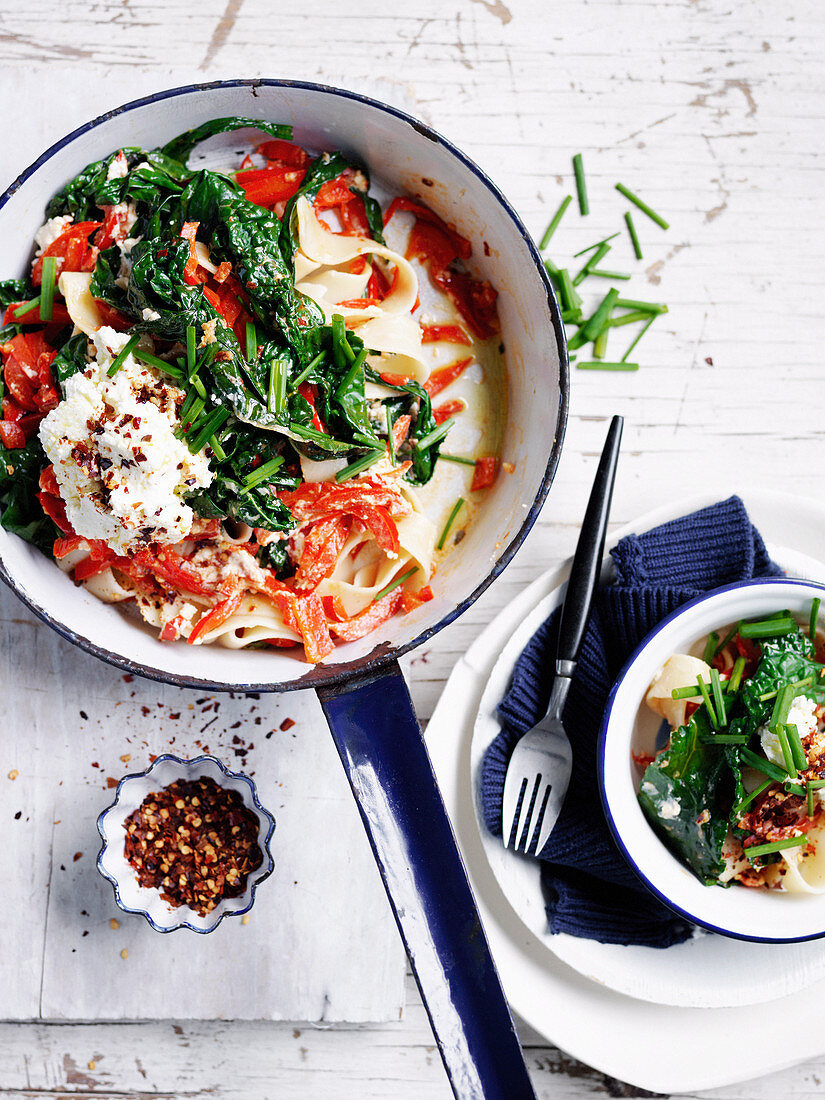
[21, 512]
[71, 358]
[784, 660]
[83, 195]
[413, 400]
[180, 147]
[687, 781]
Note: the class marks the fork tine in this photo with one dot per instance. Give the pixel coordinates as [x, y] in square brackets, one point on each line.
[529, 801]
[533, 846]
[511, 813]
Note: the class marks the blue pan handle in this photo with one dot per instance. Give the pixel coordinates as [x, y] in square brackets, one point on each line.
[378, 737]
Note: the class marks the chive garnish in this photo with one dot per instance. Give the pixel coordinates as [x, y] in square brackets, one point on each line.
[263, 473]
[191, 353]
[340, 344]
[600, 344]
[646, 307]
[207, 427]
[603, 364]
[276, 391]
[718, 697]
[629, 318]
[728, 638]
[550, 267]
[690, 691]
[347, 380]
[814, 617]
[47, 288]
[554, 222]
[736, 675]
[781, 706]
[601, 273]
[566, 291]
[450, 521]
[27, 307]
[787, 755]
[390, 440]
[746, 801]
[757, 850]
[800, 757]
[768, 628]
[457, 458]
[703, 688]
[198, 386]
[434, 436]
[634, 240]
[217, 449]
[595, 245]
[599, 254]
[305, 373]
[358, 466]
[572, 316]
[385, 591]
[642, 205]
[581, 185]
[120, 358]
[150, 360]
[809, 797]
[766, 767]
[596, 322]
[816, 784]
[640, 334]
[251, 343]
[710, 647]
[725, 739]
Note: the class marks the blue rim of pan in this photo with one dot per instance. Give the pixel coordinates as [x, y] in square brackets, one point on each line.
[601, 765]
[255, 879]
[383, 654]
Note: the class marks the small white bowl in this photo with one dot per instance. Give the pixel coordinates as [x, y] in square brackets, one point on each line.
[113, 865]
[760, 915]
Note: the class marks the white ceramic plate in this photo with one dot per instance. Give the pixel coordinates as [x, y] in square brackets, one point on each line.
[579, 995]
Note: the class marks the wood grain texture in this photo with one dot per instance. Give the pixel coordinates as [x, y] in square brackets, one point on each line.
[715, 114]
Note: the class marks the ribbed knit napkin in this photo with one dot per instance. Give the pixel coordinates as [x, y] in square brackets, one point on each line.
[589, 889]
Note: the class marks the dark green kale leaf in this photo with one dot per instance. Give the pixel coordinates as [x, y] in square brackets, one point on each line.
[71, 358]
[14, 290]
[275, 555]
[247, 449]
[180, 147]
[686, 781]
[83, 196]
[784, 660]
[21, 512]
[414, 401]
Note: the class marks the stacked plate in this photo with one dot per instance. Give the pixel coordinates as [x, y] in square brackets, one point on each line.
[671, 1020]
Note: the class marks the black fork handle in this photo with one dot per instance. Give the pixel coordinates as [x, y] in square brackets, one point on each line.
[584, 574]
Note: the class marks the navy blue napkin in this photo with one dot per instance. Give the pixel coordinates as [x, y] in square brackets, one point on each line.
[589, 889]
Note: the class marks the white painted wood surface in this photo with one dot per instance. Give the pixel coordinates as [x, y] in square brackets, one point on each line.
[715, 113]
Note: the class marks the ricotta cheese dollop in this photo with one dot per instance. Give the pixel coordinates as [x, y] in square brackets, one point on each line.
[120, 469]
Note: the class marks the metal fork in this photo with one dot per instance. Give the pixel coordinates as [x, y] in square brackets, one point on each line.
[538, 774]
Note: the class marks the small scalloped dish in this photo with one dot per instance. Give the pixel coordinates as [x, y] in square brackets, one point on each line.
[147, 901]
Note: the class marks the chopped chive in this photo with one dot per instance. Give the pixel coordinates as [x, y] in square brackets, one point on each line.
[599, 254]
[305, 373]
[450, 521]
[736, 676]
[794, 788]
[390, 440]
[49, 277]
[217, 449]
[809, 798]
[814, 617]
[775, 846]
[434, 436]
[781, 707]
[703, 688]
[746, 801]
[766, 767]
[566, 291]
[554, 221]
[581, 185]
[347, 380]
[150, 360]
[195, 410]
[688, 692]
[550, 267]
[725, 739]
[629, 318]
[601, 273]
[718, 697]
[642, 205]
[595, 245]
[639, 335]
[120, 358]
[634, 240]
[340, 344]
[457, 458]
[263, 473]
[596, 322]
[191, 353]
[207, 427]
[600, 344]
[728, 638]
[816, 784]
[710, 647]
[251, 343]
[27, 307]
[358, 466]
[571, 316]
[787, 755]
[385, 591]
[603, 364]
[768, 628]
[797, 749]
[198, 386]
[646, 307]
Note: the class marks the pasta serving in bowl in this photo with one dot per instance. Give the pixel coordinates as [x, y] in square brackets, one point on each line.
[713, 761]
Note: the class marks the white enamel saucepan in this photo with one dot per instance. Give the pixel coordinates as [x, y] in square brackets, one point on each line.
[361, 689]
